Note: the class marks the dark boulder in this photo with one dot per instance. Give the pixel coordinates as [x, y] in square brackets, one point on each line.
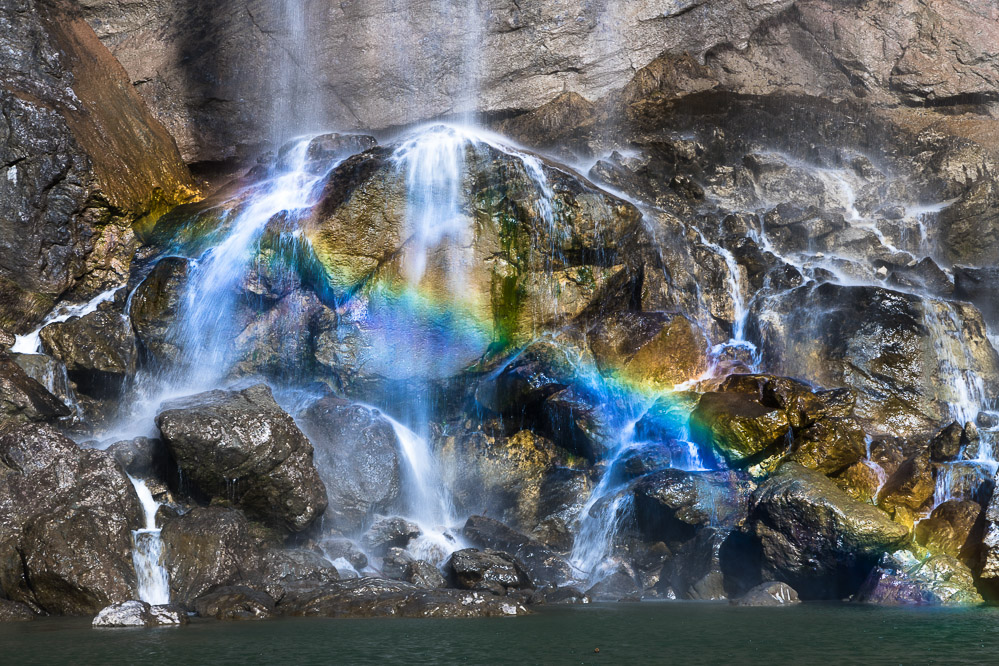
[141, 457]
[240, 446]
[816, 537]
[15, 611]
[489, 571]
[541, 370]
[619, 585]
[155, 306]
[66, 516]
[910, 487]
[357, 454]
[235, 603]
[946, 444]
[543, 565]
[205, 549]
[672, 504]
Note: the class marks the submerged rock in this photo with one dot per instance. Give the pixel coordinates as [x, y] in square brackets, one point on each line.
[14, 611]
[240, 446]
[357, 454]
[66, 516]
[815, 536]
[769, 594]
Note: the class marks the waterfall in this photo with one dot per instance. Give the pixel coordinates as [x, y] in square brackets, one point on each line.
[147, 551]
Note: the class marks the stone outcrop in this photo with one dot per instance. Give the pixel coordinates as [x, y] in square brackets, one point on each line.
[81, 156]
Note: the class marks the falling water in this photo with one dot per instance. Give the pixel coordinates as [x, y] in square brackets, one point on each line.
[147, 551]
[31, 343]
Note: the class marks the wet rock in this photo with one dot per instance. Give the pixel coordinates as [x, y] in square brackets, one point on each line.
[861, 480]
[98, 350]
[23, 398]
[695, 572]
[7, 340]
[345, 549]
[325, 148]
[141, 457]
[543, 565]
[503, 476]
[815, 536]
[649, 350]
[949, 529]
[423, 574]
[672, 504]
[541, 370]
[574, 418]
[977, 285]
[155, 306]
[357, 453]
[946, 444]
[66, 517]
[617, 586]
[242, 447]
[965, 481]
[385, 533]
[207, 548]
[489, 570]
[667, 418]
[910, 486]
[803, 406]
[739, 428]
[901, 579]
[830, 446]
[374, 597]
[559, 595]
[14, 611]
[235, 603]
[281, 569]
[903, 354]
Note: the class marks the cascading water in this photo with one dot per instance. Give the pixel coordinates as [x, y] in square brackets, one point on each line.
[147, 551]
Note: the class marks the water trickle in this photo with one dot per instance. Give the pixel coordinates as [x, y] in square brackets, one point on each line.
[147, 550]
[31, 343]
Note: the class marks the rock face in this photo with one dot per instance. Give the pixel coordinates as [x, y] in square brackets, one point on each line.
[81, 158]
[241, 446]
[52, 495]
[181, 59]
[357, 454]
[814, 535]
[739, 427]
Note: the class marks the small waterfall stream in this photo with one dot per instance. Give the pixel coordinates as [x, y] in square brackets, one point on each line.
[147, 551]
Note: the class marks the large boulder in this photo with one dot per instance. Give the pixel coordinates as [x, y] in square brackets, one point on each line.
[816, 537]
[155, 306]
[951, 529]
[82, 158]
[282, 569]
[139, 614]
[66, 516]
[487, 570]
[207, 548]
[769, 594]
[234, 603]
[359, 459]
[240, 446]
